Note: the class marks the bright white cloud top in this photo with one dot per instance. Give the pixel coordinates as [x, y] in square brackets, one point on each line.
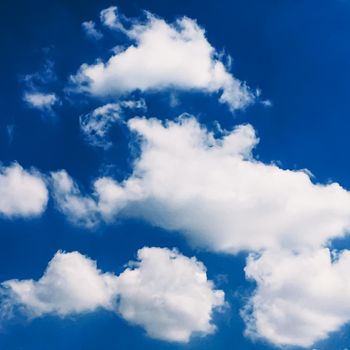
[214, 192]
[165, 292]
[300, 298]
[71, 284]
[168, 294]
[23, 193]
[206, 185]
[163, 56]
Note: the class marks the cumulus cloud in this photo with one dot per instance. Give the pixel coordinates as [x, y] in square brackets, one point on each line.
[165, 292]
[90, 30]
[212, 189]
[168, 294]
[23, 193]
[235, 202]
[96, 124]
[71, 284]
[162, 56]
[300, 298]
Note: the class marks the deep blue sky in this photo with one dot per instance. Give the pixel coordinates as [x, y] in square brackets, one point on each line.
[297, 52]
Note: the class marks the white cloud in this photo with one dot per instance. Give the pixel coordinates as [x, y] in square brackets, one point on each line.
[36, 86]
[235, 202]
[23, 193]
[79, 209]
[165, 292]
[96, 124]
[110, 17]
[168, 294]
[162, 56]
[90, 30]
[41, 101]
[212, 190]
[300, 298]
[71, 284]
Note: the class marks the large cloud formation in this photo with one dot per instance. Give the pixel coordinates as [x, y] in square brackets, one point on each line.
[213, 191]
[162, 56]
[300, 298]
[23, 193]
[210, 188]
[163, 291]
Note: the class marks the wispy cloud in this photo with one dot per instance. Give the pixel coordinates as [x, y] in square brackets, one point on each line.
[42, 101]
[95, 125]
[36, 89]
[90, 30]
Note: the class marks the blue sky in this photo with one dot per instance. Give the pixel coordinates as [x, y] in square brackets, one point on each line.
[218, 129]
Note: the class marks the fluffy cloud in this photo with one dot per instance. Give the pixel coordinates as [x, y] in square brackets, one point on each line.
[300, 298]
[96, 124]
[90, 30]
[41, 101]
[162, 56]
[168, 294]
[23, 193]
[211, 189]
[163, 291]
[71, 284]
[215, 193]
